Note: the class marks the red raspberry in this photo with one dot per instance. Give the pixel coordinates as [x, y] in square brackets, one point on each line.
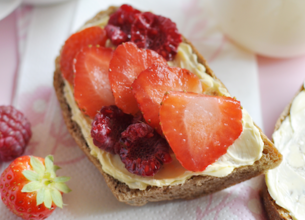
[144, 150]
[107, 126]
[137, 118]
[157, 33]
[119, 24]
[15, 133]
[115, 34]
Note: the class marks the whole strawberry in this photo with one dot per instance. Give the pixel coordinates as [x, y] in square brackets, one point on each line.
[30, 189]
[15, 133]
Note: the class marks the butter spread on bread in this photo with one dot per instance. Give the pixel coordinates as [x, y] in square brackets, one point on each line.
[286, 183]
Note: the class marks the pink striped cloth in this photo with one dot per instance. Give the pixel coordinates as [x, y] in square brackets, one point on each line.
[277, 78]
[13, 29]
[23, 14]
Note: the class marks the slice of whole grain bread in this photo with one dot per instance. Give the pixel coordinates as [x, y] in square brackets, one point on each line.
[193, 187]
[274, 211]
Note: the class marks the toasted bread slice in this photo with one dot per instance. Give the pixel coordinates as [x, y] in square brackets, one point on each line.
[193, 187]
[274, 211]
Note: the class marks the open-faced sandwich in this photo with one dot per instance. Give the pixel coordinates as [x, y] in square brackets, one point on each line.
[146, 109]
[284, 196]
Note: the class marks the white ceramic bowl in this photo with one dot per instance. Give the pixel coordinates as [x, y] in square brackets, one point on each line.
[8, 6]
[274, 28]
[43, 2]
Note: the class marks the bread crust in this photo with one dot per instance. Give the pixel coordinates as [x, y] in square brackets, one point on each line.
[193, 187]
[274, 211]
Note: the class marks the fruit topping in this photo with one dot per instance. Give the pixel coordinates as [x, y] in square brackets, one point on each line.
[138, 117]
[151, 85]
[92, 89]
[119, 25]
[115, 34]
[200, 128]
[157, 33]
[107, 126]
[15, 133]
[127, 62]
[89, 36]
[30, 189]
[144, 151]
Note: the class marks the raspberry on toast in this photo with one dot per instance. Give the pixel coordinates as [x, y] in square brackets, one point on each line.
[107, 127]
[144, 151]
[157, 33]
[119, 25]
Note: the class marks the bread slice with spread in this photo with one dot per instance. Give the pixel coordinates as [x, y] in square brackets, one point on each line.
[284, 194]
[248, 155]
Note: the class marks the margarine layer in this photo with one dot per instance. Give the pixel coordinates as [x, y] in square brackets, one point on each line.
[286, 183]
[244, 151]
[185, 58]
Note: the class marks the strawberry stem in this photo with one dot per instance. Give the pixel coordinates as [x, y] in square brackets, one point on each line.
[42, 179]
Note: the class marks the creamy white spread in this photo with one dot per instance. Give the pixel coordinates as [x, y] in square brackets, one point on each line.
[286, 183]
[185, 58]
[244, 151]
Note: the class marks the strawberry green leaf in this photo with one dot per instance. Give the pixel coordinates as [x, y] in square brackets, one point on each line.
[56, 197]
[50, 166]
[47, 198]
[32, 186]
[56, 168]
[31, 175]
[42, 179]
[37, 166]
[49, 163]
[62, 187]
[40, 196]
[61, 179]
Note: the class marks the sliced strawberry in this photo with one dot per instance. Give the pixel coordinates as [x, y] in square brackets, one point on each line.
[200, 128]
[127, 63]
[89, 36]
[152, 83]
[91, 83]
